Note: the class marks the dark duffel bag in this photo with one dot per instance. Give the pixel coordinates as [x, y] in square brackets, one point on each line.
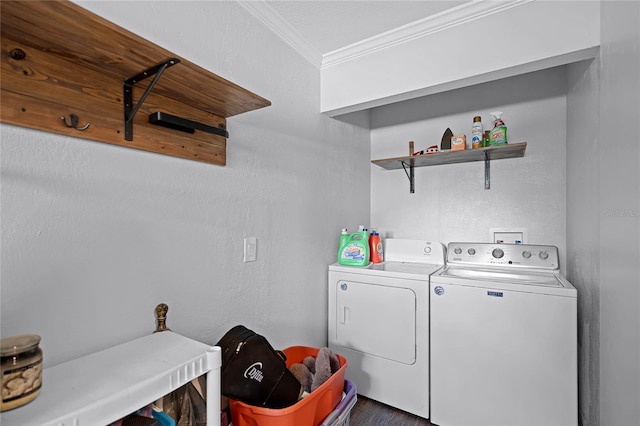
[255, 373]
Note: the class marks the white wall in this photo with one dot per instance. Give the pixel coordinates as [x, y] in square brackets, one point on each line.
[94, 236]
[450, 202]
[619, 210]
[583, 216]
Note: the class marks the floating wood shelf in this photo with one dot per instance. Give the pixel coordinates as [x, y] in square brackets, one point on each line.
[451, 157]
[59, 59]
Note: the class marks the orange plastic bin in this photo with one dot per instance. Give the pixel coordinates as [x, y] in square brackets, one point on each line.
[309, 411]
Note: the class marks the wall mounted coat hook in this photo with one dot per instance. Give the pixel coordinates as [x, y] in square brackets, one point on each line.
[74, 121]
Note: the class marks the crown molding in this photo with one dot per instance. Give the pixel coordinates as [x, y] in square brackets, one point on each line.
[272, 20]
[475, 9]
[455, 16]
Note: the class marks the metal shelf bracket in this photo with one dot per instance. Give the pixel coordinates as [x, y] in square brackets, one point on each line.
[410, 176]
[487, 171]
[129, 109]
[408, 170]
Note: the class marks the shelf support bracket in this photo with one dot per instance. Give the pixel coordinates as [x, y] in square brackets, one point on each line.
[129, 109]
[410, 175]
[487, 171]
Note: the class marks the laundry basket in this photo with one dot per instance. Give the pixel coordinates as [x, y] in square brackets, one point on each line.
[341, 415]
[309, 411]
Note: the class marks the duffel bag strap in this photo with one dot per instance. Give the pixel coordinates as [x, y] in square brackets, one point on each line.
[281, 354]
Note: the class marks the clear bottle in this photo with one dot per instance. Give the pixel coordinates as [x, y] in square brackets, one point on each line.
[476, 132]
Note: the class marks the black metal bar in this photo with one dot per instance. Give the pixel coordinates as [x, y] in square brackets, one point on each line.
[129, 109]
[128, 106]
[412, 180]
[151, 71]
[487, 172]
[146, 92]
[410, 176]
[184, 125]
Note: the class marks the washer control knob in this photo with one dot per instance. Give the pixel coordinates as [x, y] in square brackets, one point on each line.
[471, 251]
[497, 253]
[543, 255]
[427, 249]
[457, 250]
[526, 254]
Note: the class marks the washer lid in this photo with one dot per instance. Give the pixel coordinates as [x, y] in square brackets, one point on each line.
[518, 277]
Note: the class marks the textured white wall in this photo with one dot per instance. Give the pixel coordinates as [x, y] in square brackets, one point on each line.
[619, 210]
[583, 215]
[450, 202]
[94, 236]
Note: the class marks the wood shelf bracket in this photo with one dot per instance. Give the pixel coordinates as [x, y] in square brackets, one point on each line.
[129, 109]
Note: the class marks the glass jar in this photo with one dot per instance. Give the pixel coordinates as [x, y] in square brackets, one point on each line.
[21, 368]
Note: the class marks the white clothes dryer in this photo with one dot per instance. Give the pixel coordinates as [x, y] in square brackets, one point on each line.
[379, 320]
[503, 338]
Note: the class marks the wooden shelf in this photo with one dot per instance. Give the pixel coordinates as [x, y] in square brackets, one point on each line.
[102, 387]
[451, 157]
[497, 152]
[60, 59]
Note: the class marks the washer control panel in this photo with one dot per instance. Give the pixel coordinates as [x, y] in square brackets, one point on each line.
[504, 255]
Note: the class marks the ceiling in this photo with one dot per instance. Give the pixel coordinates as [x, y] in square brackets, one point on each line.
[329, 25]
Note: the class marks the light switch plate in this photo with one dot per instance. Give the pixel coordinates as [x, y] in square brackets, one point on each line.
[250, 249]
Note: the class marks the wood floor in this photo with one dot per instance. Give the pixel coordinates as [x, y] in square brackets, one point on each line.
[368, 412]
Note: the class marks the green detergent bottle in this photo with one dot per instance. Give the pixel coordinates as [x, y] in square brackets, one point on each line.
[354, 248]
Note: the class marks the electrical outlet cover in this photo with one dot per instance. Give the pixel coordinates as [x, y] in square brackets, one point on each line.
[508, 235]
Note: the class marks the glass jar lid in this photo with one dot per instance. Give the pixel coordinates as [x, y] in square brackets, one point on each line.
[17, 344]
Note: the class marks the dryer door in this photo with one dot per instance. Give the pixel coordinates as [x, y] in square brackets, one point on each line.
[376, 319]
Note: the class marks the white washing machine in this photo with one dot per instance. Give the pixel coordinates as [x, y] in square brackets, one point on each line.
[379, 320]
[503, 338]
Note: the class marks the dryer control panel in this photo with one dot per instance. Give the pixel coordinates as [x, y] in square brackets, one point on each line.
[504, 255]
[416, 251]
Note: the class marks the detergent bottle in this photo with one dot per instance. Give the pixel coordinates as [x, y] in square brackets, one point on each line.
[354, 248]
[498, 135]
[375, 247]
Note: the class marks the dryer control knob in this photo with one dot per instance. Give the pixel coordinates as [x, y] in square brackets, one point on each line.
[457, 250]
[427, 249]
[526, 254]
[471, 251]
[543, 255]
[497, 253]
